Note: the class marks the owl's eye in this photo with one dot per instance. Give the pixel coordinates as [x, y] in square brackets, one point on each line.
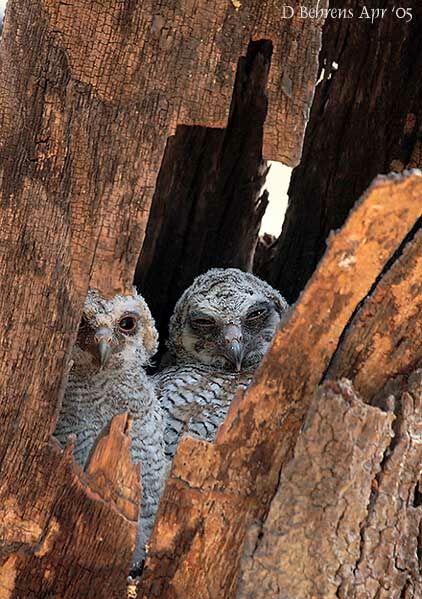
[257, 314]
[127, 324]
[202, 322]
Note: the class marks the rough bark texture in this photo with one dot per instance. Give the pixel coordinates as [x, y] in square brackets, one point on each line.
[206, 211]
[89, 96]
[83, 546]
[389, 563]
[110, 468]
[345, 521]
[215, 491]
[311, 538]
[387, 329]
[366, 119]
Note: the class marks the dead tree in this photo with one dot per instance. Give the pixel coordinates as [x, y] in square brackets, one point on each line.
[88, 100]
[365, 120]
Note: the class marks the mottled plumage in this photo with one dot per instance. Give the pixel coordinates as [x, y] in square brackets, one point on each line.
[221, 327]
[116, 340]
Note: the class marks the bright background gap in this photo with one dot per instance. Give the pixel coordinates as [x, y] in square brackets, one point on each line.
[277, 184]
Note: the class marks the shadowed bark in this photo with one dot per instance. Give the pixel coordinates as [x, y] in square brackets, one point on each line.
[366, 119]
[207, 209]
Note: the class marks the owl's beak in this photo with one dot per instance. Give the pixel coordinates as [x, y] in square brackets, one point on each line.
[234, 349]
[103, 338]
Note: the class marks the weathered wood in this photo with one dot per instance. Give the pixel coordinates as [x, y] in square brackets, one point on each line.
[110, 468]
[387, 329]
[311, 537]
[85, 545]
[346, 518]
[365, 120]
[215, 491]
[89, 96]
[388, 565]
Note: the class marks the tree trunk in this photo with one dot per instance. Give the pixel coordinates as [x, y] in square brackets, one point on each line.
[89, 98]
[346, 519]
[216, 492]
[365, 120]
[387, 329]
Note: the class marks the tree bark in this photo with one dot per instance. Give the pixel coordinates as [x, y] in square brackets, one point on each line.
[216, 491]
[365, 120]
[346, 518]
[83, 546]
[387, 329]
[88, 99]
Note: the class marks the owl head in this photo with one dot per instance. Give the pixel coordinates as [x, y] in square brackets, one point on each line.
[115, 331]
[226, 319]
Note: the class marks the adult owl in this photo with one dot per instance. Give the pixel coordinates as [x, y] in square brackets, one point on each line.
[116, 340]
[220, 329]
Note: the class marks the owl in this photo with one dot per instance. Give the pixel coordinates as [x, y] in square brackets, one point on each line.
[115, 341]
[220, 329]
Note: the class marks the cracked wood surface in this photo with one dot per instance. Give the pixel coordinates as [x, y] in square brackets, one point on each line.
[387, 329]
[311, 538]
[110, 468]
[89, 96]
[390, 560]
[72, 534]
[345, 522]
[96, 132]
[215, 491]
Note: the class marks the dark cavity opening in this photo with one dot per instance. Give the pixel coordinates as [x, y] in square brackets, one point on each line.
[208, 203]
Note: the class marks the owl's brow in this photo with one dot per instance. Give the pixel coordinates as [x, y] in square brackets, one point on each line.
[260, 305]
[127, 313]
[201, 314]
[216, 283]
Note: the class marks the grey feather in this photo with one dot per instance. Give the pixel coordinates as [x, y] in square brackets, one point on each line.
[95, 394]
[219, 332]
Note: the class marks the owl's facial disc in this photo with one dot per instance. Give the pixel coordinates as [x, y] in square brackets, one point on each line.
[108, 340]
[232, 343]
